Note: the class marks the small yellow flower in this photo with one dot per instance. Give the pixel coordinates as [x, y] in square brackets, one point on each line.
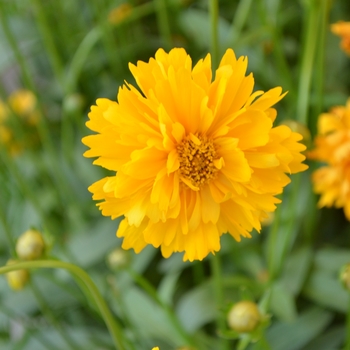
[30, 245]
[192, 157]
[155, 348]
[332, 147]
[342, 29]
[119, 13]
[17, 279]
[23, 103]
[244, 317]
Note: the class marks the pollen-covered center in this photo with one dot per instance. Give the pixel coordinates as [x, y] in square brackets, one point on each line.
[197, 155]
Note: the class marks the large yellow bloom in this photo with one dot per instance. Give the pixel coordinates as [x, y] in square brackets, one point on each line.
[195, 158]
[332, 181]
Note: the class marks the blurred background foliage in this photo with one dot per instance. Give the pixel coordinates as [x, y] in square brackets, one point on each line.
[57, 58]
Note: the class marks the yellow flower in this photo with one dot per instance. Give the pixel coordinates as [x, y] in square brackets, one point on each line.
[194, 158]
[332, 181]
[23, 103]
[155, 348]
[119, 13]
[342, 29]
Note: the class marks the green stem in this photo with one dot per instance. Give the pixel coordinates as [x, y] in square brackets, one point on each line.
[307, 62]
[279, 246]
[320, 62]
[50, 45]
[163, 22]
[142, 282]
[216, 271]
[113, 327]
[214, 38]
[7, 232]
[239, 20]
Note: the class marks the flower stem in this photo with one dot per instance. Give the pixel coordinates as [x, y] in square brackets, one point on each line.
[163, 22]
[219, 296]
[50, 45]
[214, 43]
[113, 327]
[307, 61]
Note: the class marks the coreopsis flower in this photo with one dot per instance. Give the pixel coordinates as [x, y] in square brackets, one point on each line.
[193, 157]
[244, 317]
[332, 147]
[342, 29]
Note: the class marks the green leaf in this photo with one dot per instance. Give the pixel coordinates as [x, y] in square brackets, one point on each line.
[326, 290]
[332, 259]
[282, 303]
[297, 267]
[330, 340]
[197, 307]
[148, 317]
[294, 335]
[195, 23]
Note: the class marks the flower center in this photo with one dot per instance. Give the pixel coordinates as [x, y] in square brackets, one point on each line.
[196, 155]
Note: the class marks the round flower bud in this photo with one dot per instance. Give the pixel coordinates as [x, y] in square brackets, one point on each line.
[244, 317]
[17, 279]
[30, 245]
[73, 103]
[345, 276]
[118, 259]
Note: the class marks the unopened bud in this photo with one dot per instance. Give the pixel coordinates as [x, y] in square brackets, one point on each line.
[244, 317]
[118, 259]
[30, 245]
[345, 276]
[17, 279]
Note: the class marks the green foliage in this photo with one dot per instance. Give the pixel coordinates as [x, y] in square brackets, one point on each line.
[68, 54]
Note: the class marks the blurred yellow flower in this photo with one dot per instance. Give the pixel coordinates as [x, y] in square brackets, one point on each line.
[194, 158]
[17, 279]
[119, 13]
[155, 348]
[332, 147]
[23, 103]
[342, 29]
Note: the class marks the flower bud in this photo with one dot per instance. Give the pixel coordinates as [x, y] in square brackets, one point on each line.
[73, 103]
[17, 279]
[118, 259]
[345, 276]
[244, 317]
[30, 245]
